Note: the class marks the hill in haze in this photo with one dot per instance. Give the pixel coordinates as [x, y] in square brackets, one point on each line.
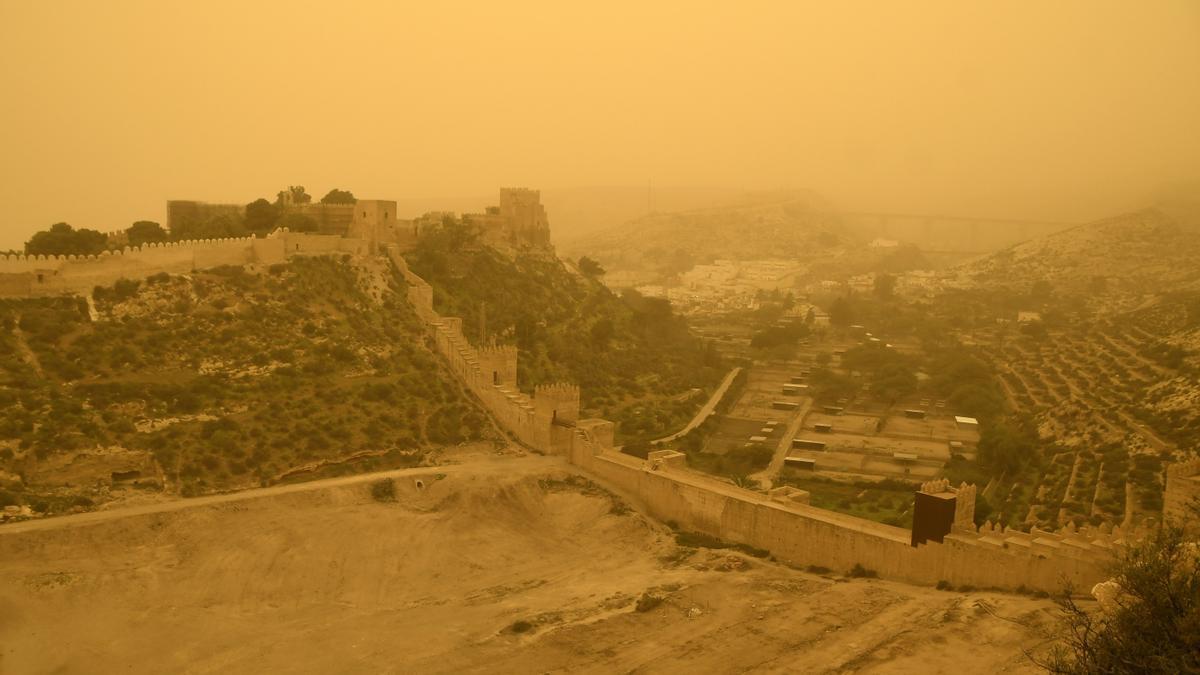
[786, 225]
[1128, 257]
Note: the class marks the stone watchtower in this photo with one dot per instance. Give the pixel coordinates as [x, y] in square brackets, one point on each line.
[939, 509]
[557, 403]
[499, 364]
[524, 216]
[374, 220]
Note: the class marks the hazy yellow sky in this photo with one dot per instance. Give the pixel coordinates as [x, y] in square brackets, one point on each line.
[1064, 109]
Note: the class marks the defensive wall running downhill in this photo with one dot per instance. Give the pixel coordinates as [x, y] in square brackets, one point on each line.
[779, 522]
[543, 421]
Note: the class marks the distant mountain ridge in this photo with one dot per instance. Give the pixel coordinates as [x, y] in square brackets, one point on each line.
[786, 226]
[1146, 251]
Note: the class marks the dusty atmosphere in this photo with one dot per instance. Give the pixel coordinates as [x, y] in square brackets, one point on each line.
[544, 337]
[1064, 111]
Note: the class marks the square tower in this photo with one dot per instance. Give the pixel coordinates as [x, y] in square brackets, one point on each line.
[525, 217]
[373, 219]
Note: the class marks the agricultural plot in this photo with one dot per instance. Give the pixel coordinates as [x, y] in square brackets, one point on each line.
[1114, 415]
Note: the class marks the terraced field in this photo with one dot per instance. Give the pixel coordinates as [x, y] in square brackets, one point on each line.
[1101, 403]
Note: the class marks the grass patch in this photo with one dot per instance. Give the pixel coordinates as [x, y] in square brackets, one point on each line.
[887, 501]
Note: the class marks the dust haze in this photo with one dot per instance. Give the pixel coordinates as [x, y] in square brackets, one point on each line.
[464, 337]
[1059, 111]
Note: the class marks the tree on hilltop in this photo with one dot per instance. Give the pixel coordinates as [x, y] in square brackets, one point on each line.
[295, 194]
[62, 239]
[261, 216]
[590, 268]
[336, 196]
[145, 232]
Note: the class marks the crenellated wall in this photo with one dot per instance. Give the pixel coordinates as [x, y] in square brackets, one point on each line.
[785, 525]
[23, 276]
[803, 535]
[541, 421]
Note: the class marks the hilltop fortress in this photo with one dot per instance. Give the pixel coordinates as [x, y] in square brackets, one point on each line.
[944, 544]
[518, 223]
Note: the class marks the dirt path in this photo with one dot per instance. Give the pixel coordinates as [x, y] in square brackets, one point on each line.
[526, 463]
[706, 410]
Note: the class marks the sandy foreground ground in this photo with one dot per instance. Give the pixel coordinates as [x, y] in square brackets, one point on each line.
[326, 579]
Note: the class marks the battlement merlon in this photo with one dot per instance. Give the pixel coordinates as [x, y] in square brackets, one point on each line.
[559, 402]
[499, 363]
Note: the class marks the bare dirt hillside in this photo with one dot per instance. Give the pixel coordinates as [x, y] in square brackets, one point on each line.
[510, 565]
[1137, 254]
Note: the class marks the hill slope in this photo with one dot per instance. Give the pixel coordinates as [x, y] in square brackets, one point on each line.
[669, 243]
[635, 361]
[220, 380]
[1138, 254]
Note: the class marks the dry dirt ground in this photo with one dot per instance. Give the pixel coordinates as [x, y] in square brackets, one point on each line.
[325, 578]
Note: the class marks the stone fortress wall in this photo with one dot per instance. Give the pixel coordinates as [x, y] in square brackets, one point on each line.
[519, 222]
[781, 521]
[23, 276]
[544, 421]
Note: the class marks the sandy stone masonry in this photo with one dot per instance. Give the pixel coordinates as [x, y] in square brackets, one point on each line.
[781, 522]
[23, 276]
[518, 223]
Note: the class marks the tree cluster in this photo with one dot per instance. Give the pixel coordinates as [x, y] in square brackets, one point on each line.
[62, 239]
